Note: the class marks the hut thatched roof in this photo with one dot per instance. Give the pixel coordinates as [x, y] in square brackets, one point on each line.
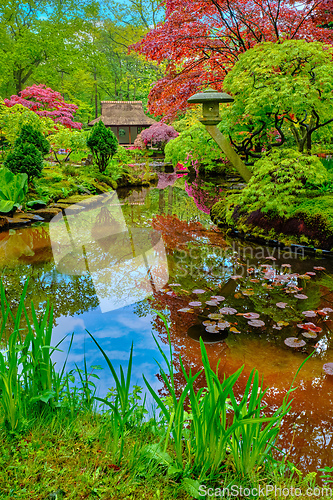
[118, 113]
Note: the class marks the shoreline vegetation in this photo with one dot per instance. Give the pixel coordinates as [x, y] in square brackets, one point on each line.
[59, 439]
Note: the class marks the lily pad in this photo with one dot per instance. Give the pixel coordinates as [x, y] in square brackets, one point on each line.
[309, 314]
[251, 315]
[328, 368]
[228, 310]
[186, 310]
[198, 291]
[294, 342]
[219, 298]
[309, 334]
[223, 325]
[256, 322]
[281, 305]
[195, 304]
[212, 329]
[212, 303]
[215, 316]
[319, 268]
[300, 296]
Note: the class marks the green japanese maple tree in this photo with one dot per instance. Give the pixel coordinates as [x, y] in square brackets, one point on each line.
[279, 89]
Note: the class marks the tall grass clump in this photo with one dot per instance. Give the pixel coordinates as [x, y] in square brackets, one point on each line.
[29, 382]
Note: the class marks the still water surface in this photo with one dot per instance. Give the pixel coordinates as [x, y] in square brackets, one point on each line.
[108, 267]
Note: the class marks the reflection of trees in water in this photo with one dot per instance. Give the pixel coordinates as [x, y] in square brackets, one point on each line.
[68, 295]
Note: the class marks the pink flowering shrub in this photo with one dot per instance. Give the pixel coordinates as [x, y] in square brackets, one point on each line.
[139, 143]
[46, 102]
[158, 135]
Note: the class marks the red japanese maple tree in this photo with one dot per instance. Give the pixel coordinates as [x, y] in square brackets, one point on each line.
[46, 102]
[202, 39]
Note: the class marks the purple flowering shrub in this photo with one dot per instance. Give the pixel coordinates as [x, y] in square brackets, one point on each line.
[158, 135]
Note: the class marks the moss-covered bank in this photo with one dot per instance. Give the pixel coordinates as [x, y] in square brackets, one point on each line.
[289, 198]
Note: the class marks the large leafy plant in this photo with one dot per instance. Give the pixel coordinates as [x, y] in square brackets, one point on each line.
[13, 189]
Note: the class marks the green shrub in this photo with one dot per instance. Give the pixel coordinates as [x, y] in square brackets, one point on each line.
[195, 147]
[33, 136]
[103, 144]
[279, 180]
[25, 159]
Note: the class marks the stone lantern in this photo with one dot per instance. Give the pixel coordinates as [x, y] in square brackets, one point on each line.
[210, 100]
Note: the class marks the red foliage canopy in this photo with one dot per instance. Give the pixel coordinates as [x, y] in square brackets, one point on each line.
[46, 102]
[202, 39]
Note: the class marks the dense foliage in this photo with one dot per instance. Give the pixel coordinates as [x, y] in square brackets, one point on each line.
[194, 147]
[280, 90]
[202, 39]
[103, 144]
[25, 158]
[46, 102]
[30, 135]
[279, 182]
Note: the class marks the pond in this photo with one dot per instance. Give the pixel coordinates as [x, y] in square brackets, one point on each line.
[111, 263]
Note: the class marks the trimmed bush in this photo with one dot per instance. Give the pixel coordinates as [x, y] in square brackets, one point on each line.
[103, 144]
[279, 180]
[27, 159]
[33, 136]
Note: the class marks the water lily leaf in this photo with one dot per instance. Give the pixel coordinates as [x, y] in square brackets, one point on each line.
[327, 310]
[198, 291]
[219, 298]
[311, 327]
[195, 304]
[310, 273]
[238, 295]
[281, 305]
[319, 268]
[208, 323]
[276, 327]
[285, 265]
[171, 293]
[174, 284]
[309, 335]
[282, 323]
[251, 315]
[309, 314]
[212, 329]
[248, 293]
[294, 342]
[223, 325]
[212, 303]
[256, 322]
[215, 316]
[328, 368]
[301, 296]
[228, 310]
[236, 277]
[234, 330]
[186, 310]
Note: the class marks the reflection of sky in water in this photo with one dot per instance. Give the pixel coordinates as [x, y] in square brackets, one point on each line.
[114, 331]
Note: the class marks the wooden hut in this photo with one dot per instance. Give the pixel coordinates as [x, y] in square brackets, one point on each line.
[125, 118]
